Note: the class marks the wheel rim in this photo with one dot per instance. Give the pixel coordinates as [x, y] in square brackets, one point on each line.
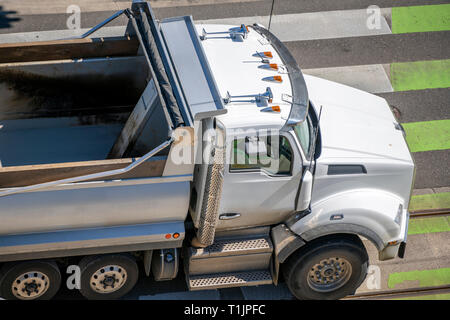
[108, 279]
[30, 285]
[329, 274]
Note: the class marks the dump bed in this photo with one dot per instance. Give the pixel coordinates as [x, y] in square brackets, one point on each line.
[88, 128]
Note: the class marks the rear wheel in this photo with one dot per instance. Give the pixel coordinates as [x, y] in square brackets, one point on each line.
[29, 280]
[330, 268]
[108, 277]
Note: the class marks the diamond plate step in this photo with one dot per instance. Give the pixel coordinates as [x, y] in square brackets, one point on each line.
[228, 280]
[234, 247]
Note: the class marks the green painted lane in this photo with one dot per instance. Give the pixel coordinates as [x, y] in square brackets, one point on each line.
[430, 201]
[421, 18]
[428, 135]
[421, 278]
[429, 225]
[443, 296]
[420, 75]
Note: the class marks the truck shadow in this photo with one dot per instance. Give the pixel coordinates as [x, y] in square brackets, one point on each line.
[5, 21]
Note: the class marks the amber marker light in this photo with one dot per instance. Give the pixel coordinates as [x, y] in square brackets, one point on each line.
[277, 79]
[276, 108]
[168, 236]
[176, 235]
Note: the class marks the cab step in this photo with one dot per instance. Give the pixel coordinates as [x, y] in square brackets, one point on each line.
[229, 280]
[231, 255]
[234, 247]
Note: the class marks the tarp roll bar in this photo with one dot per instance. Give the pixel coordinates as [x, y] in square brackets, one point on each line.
[151, 48]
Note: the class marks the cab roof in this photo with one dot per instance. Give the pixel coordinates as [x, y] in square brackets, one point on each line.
[237, 66]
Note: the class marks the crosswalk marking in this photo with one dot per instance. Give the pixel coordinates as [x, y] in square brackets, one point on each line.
[315, 25]
[429, 225]
[397, 76]
[428, 135]
[421, 18]
[419, 75]
[32, 7]
[430, 201]
[426, 278]
[371, 78]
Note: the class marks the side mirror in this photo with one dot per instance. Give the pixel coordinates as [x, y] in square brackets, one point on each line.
[304, 198]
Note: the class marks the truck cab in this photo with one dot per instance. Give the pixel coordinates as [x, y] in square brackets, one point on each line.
[335, 173]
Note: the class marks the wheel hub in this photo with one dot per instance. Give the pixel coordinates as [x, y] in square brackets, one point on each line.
[108, 279]
[329, 274]
[30, 285]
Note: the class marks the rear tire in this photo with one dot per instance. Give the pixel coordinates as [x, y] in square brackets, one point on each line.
[327, 269]
[29, 280]
[108, 277]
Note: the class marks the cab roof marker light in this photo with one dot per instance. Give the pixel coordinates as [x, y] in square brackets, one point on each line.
[276, 109]
[264, 56]
[277, 79]
[270, 66]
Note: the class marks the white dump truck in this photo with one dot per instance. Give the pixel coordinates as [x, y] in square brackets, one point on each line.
[189, 148]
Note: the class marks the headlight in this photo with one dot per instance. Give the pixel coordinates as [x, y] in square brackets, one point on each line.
[398, 217]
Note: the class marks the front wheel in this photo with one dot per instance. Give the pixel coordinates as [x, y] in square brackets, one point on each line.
[330, 268]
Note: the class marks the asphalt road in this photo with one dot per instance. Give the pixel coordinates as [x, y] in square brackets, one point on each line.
[427, 104]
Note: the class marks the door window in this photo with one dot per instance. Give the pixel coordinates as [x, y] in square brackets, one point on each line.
[272, 154]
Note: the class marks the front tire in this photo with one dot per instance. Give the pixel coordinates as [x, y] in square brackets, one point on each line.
[108, 277]
[327, 269]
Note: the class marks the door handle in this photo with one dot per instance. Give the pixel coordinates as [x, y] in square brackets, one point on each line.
[229, 216]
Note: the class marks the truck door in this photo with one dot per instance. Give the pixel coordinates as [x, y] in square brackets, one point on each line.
[262, 189]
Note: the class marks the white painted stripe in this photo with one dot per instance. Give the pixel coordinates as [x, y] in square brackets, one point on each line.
[30, 7]
[60, 34]
[316, 25]
[293, 27]
[287, 27]
[184, 295]
[371, 78]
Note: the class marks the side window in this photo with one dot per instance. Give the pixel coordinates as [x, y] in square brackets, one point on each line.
[262, 153]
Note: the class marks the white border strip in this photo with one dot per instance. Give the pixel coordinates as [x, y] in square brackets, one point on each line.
[316, 25]
[371, 78]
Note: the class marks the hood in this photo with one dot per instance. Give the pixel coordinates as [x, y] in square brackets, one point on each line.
[355, 124]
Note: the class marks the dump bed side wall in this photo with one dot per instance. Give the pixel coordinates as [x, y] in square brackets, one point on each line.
[95, 204]
[113, 215]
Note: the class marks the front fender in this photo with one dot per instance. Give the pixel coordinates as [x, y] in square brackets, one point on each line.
[368, 213]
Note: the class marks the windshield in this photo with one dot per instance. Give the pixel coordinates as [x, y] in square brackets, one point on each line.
[303, 133]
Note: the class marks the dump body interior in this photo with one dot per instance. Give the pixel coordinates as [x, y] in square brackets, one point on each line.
[63, 105]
